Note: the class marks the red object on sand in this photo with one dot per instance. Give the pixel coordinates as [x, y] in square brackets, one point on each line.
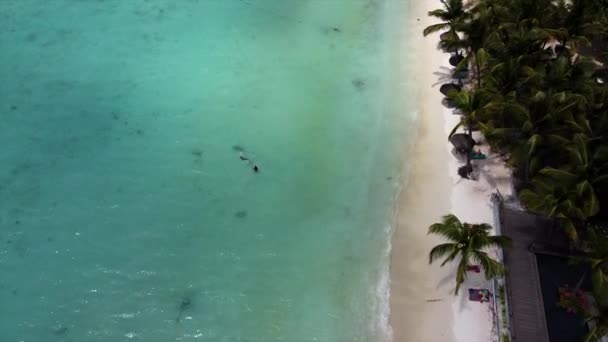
[479, 295]
[473, 268]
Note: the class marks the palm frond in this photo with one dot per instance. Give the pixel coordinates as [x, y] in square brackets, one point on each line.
[559, 175]
[491, 267]
[451, 257]
[498, 241]
[441, 250]
[435, 28]
[461, 273]
[450, 228]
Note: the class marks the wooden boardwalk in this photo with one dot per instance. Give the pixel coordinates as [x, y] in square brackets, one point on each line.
[527, 312]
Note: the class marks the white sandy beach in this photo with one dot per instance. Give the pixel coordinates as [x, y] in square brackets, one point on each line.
[423, 305]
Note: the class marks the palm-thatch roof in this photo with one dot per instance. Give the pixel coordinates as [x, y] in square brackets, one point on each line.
[452, 35]
[448, 36]
[447, 88]
[462, 142]
[448, 103]
[456, 59]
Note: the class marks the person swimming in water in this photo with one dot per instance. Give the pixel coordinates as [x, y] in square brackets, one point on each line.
[254, 166]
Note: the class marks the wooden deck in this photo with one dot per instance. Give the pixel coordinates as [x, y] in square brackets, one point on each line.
[527, 313]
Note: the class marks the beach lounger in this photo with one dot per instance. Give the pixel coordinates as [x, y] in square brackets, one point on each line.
[478, 156]
[479, 295]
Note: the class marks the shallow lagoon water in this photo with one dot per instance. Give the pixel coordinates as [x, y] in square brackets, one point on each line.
[126, 211]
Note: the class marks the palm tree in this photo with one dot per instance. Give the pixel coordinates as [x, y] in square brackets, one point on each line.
[470, 105]
[452, 12]
[476, 30]
[598, 262]
[530, 129]
[575, 23]
[600, 327]
[597, 259]
[570, 191]
[568, 205]
[468, 242]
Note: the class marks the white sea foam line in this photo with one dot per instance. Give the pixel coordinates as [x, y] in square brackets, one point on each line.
[382, 295]
[383, 286]
[381, 306]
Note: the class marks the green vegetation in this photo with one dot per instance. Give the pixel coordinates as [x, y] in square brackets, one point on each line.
[540, 98]
[597, 260]
[503, 310]
[601, 325]
[452, 12]
[503, 307]
[540, 106]
[468, 242]
[501, 296]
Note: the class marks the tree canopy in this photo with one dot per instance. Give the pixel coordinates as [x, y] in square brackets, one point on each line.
[537, 97]
[540, 97]
[468, 243]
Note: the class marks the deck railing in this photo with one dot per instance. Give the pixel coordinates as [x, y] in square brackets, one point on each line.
[497, 202]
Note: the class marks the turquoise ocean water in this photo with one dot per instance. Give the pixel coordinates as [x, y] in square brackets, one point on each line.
[126, 213]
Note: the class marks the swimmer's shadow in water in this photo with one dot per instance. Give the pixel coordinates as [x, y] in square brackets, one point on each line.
[359, 84]
[184, 306]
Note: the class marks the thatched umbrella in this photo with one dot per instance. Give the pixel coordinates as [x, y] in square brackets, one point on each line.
[447, 88]
[462, 142]
[456, 59]
[448, 103]
[449, 35]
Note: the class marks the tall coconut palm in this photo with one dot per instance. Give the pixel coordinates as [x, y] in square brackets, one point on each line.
[571, 206]
[597, 259]
[530, 129]
[570, 192]
[470, 105]
[600, 325]
[452, 12]
[575, 23]
[467, 242]
[476, 30]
